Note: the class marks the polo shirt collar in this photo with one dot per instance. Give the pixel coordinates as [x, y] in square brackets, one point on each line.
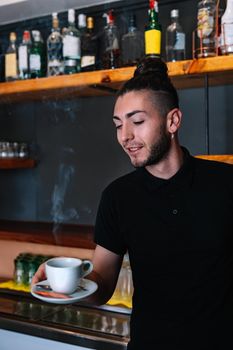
[182, 178]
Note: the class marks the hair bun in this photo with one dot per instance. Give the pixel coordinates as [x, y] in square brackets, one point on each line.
[153, 65]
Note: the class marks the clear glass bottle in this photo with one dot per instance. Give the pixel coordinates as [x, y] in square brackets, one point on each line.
[206, 28]
[175, 39]
[23, 55]
[123, 292]
[89, 47]
[111, 39]
[153, 31]
[54, 49]
[132, 44]
[11, 63]
[72, 46]
[227, 29]
[37, 56]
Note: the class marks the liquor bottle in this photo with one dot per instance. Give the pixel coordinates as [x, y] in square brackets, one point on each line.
[54, 49]
[23, 55]
[219, 13]
[89, 46]
[206, 28]
[111, 39]
[2, 65]
[227, 29]
[132, 44]
[37, 56]
[153, 31]
[11, 64]
[175, 39]
[71, 46]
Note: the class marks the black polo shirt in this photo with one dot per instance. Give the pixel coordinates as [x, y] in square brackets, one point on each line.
[179, 235]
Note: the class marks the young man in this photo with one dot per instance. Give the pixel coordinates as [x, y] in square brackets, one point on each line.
[174, 216]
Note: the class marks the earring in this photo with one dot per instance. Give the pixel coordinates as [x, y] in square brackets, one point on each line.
[172, 136]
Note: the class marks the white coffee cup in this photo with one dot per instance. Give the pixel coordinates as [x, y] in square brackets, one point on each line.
[64, 273]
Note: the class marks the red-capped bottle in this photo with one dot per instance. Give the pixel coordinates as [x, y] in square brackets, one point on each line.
[153, 31]
[111, 40]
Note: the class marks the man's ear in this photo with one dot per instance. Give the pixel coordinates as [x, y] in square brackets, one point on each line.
[174, 120]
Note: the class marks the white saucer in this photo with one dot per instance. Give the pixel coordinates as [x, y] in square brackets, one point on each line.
[90, 288]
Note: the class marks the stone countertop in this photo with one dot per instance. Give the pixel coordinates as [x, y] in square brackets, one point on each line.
[92, 327]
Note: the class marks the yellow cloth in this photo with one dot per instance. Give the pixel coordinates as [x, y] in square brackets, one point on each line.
[12, 285]
[120, 302]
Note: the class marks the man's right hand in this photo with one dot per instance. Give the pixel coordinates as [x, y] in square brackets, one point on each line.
[39, 275]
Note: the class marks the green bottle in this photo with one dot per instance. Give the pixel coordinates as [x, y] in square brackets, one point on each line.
[37, 58]
[153, 31]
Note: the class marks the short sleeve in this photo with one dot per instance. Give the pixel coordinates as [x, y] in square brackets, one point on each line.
[107, 231]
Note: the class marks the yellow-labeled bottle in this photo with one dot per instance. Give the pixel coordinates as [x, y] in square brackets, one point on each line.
[11, 63]
[153, 31]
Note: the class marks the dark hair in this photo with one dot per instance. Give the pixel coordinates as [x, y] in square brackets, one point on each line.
[151, 74]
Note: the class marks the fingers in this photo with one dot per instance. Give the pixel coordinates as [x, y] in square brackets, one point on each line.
[39, 275]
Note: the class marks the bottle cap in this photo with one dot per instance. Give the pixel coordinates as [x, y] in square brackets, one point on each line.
[152, 4]
[71, 15]
[82, 21]
[174, 13]
[13, 36]
[36, 35]
[90, 22]
[55, 20]
[111, 16]
[26, 35]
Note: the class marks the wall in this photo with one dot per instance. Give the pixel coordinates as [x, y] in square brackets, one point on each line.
[74, 140]
[15, 10]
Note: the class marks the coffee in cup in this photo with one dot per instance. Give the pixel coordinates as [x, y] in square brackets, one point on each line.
[64, 273]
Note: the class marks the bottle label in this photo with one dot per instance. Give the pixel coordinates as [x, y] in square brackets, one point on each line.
[71, 47]
[35, 62]
[153, 42]
[180, 41]
[227, 35]
[11, 65]
[23, 57]
[205, 22]
[54, 51]
[87, 61]
[54, 63]
[115, 44]
[70, 63]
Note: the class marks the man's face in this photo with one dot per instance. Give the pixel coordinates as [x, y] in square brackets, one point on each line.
[141, 131]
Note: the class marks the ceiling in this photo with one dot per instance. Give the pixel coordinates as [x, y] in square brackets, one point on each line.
[18, 10]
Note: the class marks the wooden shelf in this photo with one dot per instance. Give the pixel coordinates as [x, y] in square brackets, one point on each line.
[184, 74]
[97, 83]
[225, 158]
[17, 163]
[192, 73]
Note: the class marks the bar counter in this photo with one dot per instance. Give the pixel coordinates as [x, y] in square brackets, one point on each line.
[103, 328]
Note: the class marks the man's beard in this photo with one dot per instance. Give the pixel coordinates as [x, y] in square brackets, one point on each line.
[158, 150]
